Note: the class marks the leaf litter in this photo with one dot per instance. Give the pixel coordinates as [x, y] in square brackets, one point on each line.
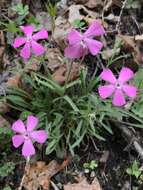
[39, 174]
[84, 185]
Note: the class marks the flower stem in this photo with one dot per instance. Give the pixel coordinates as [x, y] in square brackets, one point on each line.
[25, 172]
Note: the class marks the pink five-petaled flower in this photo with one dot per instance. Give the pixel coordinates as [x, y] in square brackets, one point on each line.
[118, 87]
[30, 41]
[81, 44]
[27, 134]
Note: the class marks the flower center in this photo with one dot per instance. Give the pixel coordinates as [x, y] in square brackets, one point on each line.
[26, 135]
[83, 44]
[29, 39]
[118, 85]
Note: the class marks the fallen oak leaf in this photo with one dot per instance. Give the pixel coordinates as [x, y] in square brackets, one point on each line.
[84, 185]
[14, 80]
[60, 75]
[54, 58]
[40, 174]
[131, 45]
[79, 12]
[62, 28]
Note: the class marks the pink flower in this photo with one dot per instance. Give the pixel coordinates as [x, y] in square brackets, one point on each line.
[117, 87]
[30, 41]
[26, 135]
[81, 44]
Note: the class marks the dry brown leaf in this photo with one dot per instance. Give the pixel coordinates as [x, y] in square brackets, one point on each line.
[3, 107]
[3, 122]
[32, 64]
[90, 3]
[131, 45]
[62, 28]
[94, 3]
[14, 80]
[109, 3]
[84, 185]
[139, 37]
[60, 75]
[54, 58]
[80, 12]
[39, 174]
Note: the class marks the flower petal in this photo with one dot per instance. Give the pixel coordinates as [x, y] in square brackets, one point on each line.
[75, 51]
[37, 48]
[25, 52]
[19, 41]
[125, 75]
[17, 140]
[129, 90]
[118, 99]
[28, 30]
[32, 122]
[39, 136]
[106, 91]
[74, 37]
[28, 148]
[18, 126]
[108, 76]
[43, 34]
[94, 46]
[96, 29]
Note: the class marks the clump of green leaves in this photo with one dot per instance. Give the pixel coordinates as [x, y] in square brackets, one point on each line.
[132, 4]
[52, 10]
[93, 164]
[7, 188]
[134, 169]
[78, 23]
[11, 25]
[21, 10]
[5, 138]
[6, 169]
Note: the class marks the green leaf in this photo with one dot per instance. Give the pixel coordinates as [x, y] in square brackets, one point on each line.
[71, 103]
[6, 169]
[11, 27]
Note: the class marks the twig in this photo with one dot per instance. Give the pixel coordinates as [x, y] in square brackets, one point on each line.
[54, 185]
[121, 12]
[25, 173]
[130, 137]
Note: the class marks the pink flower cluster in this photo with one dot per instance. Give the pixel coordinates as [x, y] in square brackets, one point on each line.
[79, 46]
[26, 135]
